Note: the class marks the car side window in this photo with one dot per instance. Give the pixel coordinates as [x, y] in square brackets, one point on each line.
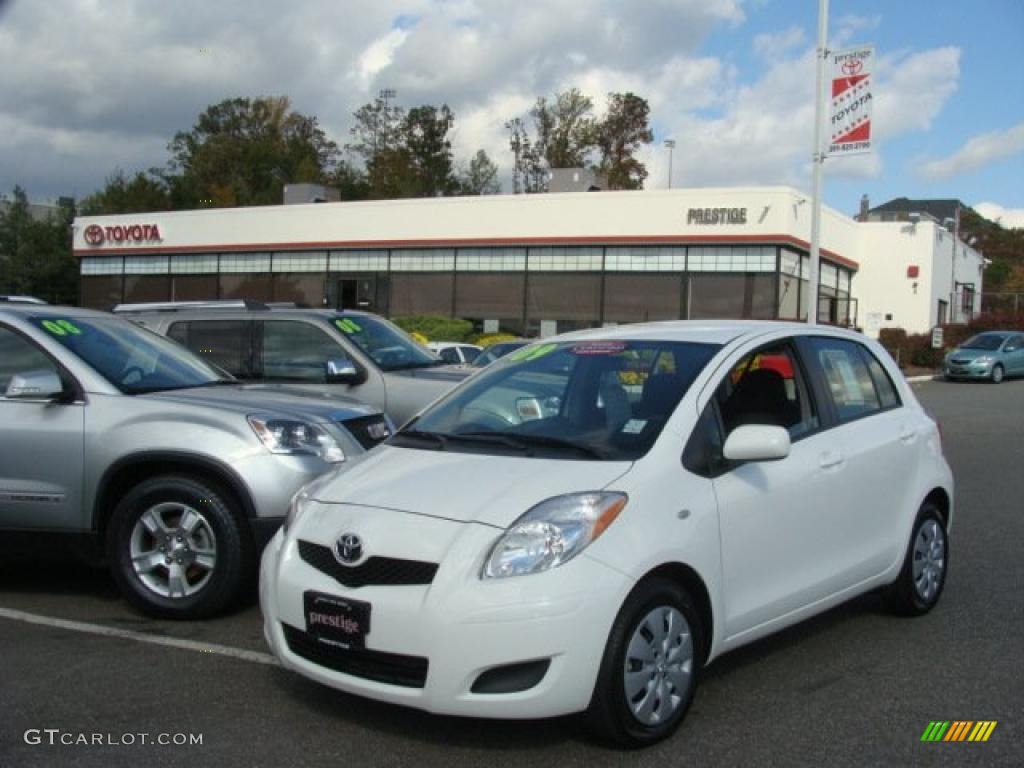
[767, 387]
[297, 351]
[883, 384]
[450, 355]
[848, 378]
[225, 343]
[1014, 344]
[19, 355]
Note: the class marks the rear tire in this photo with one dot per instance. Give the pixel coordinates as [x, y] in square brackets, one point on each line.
[648, 674]
[923, 576]
[177, 548]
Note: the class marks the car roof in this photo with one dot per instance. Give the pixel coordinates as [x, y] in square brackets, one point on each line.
[49, 310]
[702, 331]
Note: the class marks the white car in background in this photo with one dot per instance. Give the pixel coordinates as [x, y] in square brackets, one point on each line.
[656, 496]
[455, 352]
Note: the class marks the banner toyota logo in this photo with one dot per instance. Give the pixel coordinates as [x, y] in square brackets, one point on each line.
[94, 234]
[852, 67]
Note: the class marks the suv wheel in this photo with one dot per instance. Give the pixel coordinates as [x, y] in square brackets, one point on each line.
[649, 671]
[923, 576]
[176, 548]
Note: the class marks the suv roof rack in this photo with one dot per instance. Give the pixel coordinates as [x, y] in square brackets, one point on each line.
[178, 306]
[20, 300]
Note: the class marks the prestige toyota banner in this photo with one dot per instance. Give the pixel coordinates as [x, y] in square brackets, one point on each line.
[850, 107]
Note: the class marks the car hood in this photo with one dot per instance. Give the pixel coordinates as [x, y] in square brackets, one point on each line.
[253, 398]
[468, 487]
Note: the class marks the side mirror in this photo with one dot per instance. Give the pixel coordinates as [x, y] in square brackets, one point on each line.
[35, 385]
[343, 371]
[756, 442]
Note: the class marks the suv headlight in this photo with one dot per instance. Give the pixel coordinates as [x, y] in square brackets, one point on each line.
[296, 438]
[552, 533]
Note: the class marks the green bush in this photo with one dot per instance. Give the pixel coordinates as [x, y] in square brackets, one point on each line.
[487, 339]
[436, 327]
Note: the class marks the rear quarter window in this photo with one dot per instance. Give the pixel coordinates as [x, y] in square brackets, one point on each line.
[854, 388]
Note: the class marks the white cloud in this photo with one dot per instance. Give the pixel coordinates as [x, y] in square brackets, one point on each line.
[978, 152]
[769, 45]
[1011, 218]
[379, 54]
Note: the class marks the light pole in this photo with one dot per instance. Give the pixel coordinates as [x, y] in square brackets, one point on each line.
[670, 144]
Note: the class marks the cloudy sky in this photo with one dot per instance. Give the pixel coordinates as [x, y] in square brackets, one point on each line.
[93, 85]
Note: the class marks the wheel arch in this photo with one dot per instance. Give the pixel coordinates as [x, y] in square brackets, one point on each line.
[688, 578]
[129, 471]
[940, 498]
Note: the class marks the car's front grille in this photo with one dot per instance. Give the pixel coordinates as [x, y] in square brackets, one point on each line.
[390, 668]
[376, 571]
[368, 430]
[960, 362]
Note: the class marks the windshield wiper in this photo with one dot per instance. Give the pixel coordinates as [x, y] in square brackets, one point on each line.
[525, 441]
[440, 439]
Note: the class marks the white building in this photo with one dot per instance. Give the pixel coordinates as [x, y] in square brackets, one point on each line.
[532, 263]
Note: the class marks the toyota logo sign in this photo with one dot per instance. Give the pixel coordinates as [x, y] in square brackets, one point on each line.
[852, 67]
[349, 548]
[94, 234]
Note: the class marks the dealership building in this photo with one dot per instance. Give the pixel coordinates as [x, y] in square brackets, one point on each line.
[533, 264]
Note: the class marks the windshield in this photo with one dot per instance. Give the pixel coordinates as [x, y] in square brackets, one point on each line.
[385, 343]
[128, 356]
[496, 351]
[990, 341]
[580, 400]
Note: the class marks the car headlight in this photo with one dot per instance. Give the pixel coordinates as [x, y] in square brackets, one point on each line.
[983, 360]
[552, 533]
[296, 438]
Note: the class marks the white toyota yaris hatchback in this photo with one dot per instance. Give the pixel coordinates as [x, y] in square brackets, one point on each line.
[586, 523]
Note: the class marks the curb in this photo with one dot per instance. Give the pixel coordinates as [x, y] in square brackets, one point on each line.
[919, 379]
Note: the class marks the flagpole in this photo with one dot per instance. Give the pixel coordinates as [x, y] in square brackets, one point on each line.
[818, 159]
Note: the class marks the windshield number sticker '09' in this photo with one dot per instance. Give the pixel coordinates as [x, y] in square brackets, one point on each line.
[345, 325]
[532, 353]
[61, 327]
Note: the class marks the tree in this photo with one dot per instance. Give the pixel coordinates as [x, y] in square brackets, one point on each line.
[424, 136]
[480, 178]
[243, 152]
[376, 134]
[139, 194]
[565, 134]
[1005, 248]
[35, 255]
[619, 137]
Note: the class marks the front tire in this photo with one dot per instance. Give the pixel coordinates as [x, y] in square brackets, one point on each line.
[177, 549]
[649, 671]
[923, 576]
[998, 374]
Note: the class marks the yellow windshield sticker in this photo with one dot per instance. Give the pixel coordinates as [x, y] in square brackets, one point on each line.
[532, 352]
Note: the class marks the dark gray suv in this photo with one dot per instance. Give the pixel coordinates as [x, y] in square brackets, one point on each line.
[167, 468]
[352, 353]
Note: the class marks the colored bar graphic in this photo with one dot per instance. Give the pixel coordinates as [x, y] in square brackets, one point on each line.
[959, 730]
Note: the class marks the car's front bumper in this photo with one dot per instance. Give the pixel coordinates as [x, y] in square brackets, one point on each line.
[968, 371]
[460, 624]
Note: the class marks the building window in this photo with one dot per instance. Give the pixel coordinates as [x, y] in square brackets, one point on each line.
[103, 265]
[255, 287]
[726, 296]
[193, 287]
[300, 287]
[145, 288]
[569, 259]
[639, 298]
[418, 294]
[425, 260]
[731, 258]
[575, 298]
[101, 292]
[491, 260]
[245, 262]
[490, 297]
[146, 265]
[359, 261]
[315, 261]
[645, 259]
[194, 264]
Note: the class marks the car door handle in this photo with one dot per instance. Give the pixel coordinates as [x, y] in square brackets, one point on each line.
[907, 435]
[830, 459]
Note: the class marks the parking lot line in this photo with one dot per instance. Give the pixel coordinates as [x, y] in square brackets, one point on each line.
[125, 634]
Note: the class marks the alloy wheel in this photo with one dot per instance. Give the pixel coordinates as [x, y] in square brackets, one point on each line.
[173, 550]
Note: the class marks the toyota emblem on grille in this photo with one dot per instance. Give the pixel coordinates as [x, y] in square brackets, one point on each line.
[349, 548]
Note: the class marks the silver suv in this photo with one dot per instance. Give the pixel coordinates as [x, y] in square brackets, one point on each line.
[171, 471]
[352, 353]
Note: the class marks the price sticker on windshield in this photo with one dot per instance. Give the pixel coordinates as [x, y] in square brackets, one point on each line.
[599, 348]
[347, 325]
[61, 327]
[532, 352]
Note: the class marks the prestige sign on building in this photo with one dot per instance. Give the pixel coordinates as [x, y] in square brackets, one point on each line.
[850, 107]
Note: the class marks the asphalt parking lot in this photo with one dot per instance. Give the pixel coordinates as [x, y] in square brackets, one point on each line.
[854, 687]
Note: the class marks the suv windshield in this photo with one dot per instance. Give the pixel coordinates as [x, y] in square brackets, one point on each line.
[984, 341]
[386, 344]
[128, 356]
[578, 400]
